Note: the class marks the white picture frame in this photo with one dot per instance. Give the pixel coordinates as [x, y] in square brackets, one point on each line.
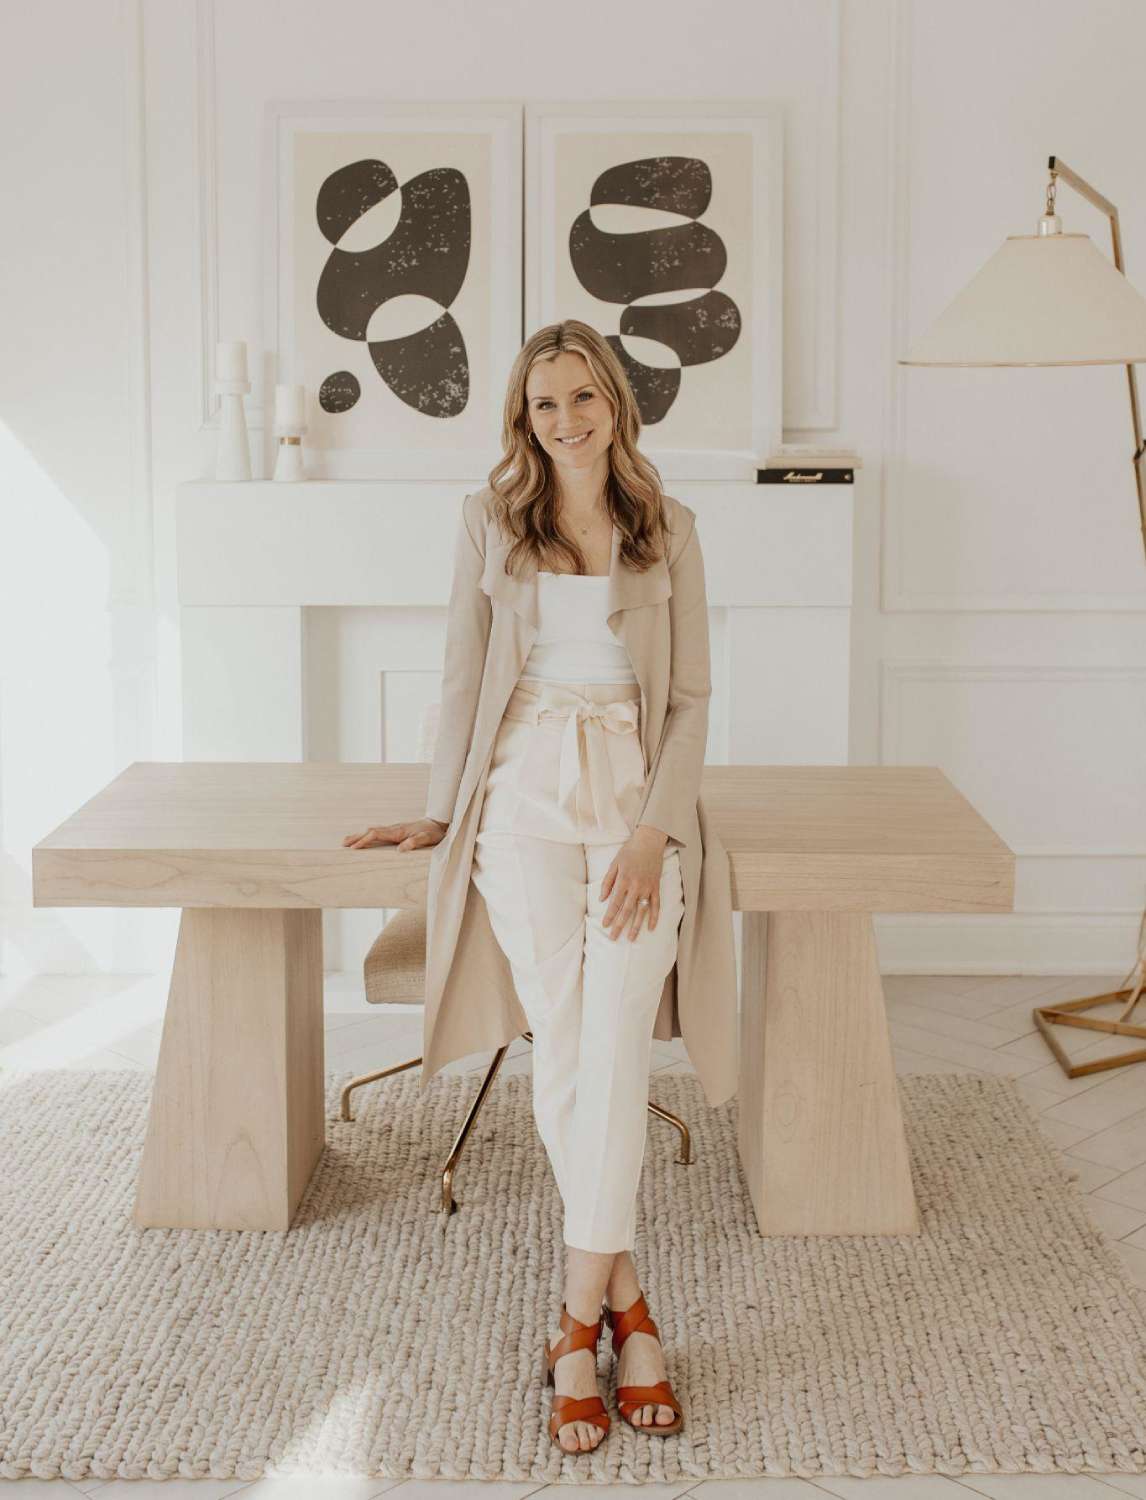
[428, 403]
[718, 415]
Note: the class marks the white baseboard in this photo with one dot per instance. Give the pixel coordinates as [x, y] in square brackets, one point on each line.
[1015, 943]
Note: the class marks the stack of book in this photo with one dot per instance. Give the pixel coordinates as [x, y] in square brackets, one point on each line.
[808, 463]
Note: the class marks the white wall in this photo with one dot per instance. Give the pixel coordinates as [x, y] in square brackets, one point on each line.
[77, 625]
[999, 572]
[1004, 551]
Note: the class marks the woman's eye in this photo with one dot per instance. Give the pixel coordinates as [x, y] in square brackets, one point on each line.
[588, 395]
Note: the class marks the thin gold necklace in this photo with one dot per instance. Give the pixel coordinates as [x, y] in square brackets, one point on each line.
[584, 530]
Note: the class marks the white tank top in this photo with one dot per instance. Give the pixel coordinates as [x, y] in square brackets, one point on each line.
[574, 642]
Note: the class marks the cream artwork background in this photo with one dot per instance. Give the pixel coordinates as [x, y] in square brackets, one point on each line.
[380, 418]
[713, 407]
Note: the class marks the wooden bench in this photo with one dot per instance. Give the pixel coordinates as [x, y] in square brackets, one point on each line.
[253, 854]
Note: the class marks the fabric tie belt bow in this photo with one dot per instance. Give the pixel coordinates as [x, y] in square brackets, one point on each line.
[585, 776]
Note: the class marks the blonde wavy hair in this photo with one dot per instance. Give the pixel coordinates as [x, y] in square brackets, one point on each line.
[525, 495]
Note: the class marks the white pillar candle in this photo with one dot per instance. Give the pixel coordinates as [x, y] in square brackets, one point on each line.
[290, 406]
[231, 360]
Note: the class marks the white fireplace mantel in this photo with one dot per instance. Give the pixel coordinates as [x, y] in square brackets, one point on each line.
[390, 544]
[255, 558]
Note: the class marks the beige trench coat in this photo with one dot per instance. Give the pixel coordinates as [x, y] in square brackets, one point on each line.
[661, 617]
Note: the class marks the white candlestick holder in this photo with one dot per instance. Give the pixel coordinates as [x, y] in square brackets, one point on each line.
[288, 460]
[233, 454]
[290, 424]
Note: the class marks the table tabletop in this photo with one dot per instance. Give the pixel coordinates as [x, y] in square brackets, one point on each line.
[269, 834]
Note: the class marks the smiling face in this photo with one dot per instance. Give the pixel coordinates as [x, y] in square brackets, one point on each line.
[568, 412]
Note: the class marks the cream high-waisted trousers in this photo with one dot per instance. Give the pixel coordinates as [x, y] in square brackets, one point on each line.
[562, 794]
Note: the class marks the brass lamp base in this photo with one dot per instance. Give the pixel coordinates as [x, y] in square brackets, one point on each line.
[1046, 1017]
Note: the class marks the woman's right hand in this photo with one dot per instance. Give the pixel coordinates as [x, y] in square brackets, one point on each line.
[422, 833]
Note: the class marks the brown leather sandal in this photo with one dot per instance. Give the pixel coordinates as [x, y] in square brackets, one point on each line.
[566, 1409]
[630, 1398]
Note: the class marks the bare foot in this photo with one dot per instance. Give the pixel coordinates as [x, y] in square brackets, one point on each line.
[642, 1362]
[575, 1374]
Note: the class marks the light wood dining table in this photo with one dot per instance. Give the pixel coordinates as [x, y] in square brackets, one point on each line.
[253, 854]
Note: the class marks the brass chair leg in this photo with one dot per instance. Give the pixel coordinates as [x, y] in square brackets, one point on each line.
[356, 1083]
[448, 1205]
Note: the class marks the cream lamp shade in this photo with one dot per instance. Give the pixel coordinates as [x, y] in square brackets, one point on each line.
[1049, 299]
[1042, 299]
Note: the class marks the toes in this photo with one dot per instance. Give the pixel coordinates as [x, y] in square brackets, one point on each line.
[648, 1416]
[578, 1437]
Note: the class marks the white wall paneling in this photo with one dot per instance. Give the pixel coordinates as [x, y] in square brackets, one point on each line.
[1039, 749]
[372, 672]
[1007, 489]
[243, 684]
[988, 565]
[1007, 642]
[790, 676]
[78, 634]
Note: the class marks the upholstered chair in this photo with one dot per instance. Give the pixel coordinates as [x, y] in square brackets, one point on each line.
[395, 973]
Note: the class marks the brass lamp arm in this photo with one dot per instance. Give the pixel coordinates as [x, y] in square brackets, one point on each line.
[1058, 168]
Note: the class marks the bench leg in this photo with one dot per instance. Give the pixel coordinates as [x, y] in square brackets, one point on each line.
[820, 1130]
[237, 1121]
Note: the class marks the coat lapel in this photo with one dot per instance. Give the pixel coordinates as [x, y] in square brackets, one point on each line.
[628, 588]
[628, 591]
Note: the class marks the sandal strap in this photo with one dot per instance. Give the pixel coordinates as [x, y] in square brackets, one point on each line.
[634, 1319]
[576, 1336]
[564, 1409]
[660, 1394]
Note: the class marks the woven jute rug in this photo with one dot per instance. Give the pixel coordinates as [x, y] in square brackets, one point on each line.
[378, 1337]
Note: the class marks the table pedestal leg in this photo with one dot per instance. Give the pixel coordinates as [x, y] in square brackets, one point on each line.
[820, 1131]
[237, 1120]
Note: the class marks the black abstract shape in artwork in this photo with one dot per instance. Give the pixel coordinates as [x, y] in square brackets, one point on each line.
[427, 255]
[349, 193]
[655, 389]
[406, 364]
[339, 392]
[622, 268]
[698, 331]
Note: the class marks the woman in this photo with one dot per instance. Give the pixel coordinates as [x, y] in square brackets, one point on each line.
[564, 806]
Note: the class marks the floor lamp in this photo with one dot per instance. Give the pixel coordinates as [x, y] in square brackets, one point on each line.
[1054, 299]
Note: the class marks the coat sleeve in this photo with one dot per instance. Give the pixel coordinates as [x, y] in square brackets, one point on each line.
[674, 779]
[467, 635]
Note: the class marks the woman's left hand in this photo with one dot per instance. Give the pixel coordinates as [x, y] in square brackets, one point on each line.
[635, 874]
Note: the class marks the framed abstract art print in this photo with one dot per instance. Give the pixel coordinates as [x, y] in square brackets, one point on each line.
[660, 224]
[392, 288]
